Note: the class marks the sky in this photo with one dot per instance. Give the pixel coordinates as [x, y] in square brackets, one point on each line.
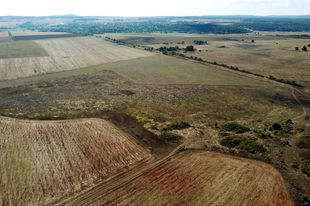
[154, 7]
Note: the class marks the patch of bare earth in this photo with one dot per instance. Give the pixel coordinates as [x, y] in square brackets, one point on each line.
[203, 178]
[43, 162]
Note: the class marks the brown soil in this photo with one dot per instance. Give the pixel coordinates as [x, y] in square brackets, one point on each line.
[203, 178]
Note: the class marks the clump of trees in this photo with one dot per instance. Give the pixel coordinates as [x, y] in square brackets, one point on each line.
[200, 42]
[190, 48]
[164, 48]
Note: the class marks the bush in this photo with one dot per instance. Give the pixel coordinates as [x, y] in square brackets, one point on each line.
[235, 127]
[177, 126]
[305, 167]
[276, 126]
[169, 136]
[242, 143]
[190, 48]
[251, 146]
[304, 48]
[305, 155]
[297, 48]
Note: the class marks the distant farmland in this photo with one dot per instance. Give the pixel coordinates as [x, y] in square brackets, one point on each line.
[45, 36]
[21, 49]
[203, 178]
[42, 162]
[67, 54]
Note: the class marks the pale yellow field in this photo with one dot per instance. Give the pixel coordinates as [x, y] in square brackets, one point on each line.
[43, 33]
[73, 53]
[68, 54]
[42, 161]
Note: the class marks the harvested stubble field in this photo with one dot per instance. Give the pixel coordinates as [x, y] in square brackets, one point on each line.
[202, 178]
[43, 36]
[42, 162]
[20, 49]
[67, 54]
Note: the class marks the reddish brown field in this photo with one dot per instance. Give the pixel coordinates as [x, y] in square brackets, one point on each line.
[203, 178]
[43, 162]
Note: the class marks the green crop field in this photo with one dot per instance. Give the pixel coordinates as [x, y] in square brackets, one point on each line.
[21, 49]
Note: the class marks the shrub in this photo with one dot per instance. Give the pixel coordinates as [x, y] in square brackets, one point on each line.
[305, 155]
[305, 167]
[242, 143]
[304, 48]
[231, 141]
[235, 127]
[169, 136]
[177, 126]
[297, 48]
[276, 126]
[251, 146]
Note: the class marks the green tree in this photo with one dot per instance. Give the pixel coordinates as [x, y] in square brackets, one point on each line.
[297, 48]
[190, 48]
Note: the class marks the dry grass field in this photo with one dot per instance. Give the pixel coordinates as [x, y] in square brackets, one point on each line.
[268, 55]
[67, 54]
[42, 162]
[162, 69]
[4, 34]
[203, 178]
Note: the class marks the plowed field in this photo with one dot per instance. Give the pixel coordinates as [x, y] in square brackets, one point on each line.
[42, 162]
[67, 54]
[203, 178]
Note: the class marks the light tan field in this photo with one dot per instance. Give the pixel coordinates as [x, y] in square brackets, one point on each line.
[73, 53]
[42, 162]
[19, 33]
[203, 178]
[4, 34]
[68, 54]
[43, 33]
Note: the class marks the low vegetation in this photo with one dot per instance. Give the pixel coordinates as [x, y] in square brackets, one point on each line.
[242, 143]
[169, 136]
[231, 126]
[176, 126]
[305, 156]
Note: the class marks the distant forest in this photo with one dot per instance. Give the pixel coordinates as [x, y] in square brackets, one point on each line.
[226, 25]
